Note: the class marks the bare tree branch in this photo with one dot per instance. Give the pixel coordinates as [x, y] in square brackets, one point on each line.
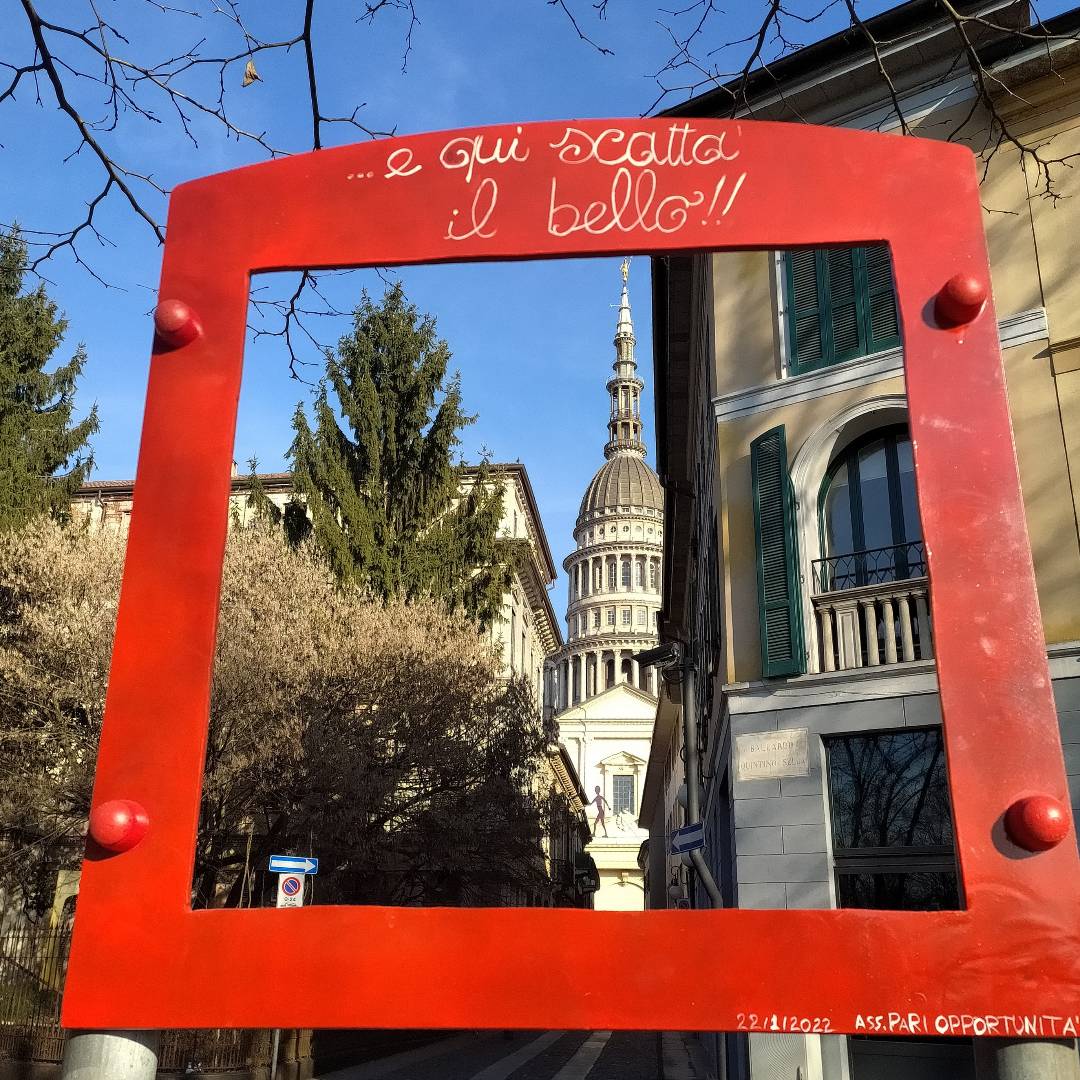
[694, 65]
[104, 87]
[561, 4]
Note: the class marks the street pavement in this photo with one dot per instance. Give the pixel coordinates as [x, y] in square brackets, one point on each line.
[532, 1055]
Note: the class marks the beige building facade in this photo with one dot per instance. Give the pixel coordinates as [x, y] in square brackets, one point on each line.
[796, 572]
[528, 632]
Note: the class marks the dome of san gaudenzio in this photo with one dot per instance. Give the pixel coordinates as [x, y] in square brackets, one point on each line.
[623, 480]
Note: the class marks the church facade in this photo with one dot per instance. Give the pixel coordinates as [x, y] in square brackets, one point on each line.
[605, 703]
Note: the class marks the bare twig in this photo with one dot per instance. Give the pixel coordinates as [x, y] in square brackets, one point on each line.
[561, 4]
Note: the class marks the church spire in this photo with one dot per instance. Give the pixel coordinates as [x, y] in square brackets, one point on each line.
[624, 426]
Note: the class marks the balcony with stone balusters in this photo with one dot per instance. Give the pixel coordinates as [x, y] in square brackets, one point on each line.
[872, 608]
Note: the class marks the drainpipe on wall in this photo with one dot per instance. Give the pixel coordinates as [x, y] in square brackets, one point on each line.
[693, 782]
[674, 665]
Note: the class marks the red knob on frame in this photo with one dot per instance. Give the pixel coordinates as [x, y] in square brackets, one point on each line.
[119, 824]
[960, 300]
[1037, 822]
[176, 324]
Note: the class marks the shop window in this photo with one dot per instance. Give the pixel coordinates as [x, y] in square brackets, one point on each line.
[892, 828]
[841, 304]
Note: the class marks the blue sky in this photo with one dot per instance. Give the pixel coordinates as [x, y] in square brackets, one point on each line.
[532, 341]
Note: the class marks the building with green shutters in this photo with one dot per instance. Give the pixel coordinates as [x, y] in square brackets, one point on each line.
[794, 564]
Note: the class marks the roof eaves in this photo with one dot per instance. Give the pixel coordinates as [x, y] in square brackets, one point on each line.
[902, 26]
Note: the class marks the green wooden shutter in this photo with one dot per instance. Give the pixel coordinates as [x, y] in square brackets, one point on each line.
[804, 294]
[779, 604]
[841, 304]
[842, 282]
[883, 324]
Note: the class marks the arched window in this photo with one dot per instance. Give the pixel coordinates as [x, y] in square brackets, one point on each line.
[611, 575]
[626, 573]
[870, 528]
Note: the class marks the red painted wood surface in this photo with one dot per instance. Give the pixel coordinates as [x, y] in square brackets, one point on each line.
[142, 958]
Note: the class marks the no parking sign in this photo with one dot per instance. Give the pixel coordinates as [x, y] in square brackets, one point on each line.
[290, 890]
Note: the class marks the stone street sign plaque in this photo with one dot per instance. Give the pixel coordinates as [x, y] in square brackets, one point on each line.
[769, 755]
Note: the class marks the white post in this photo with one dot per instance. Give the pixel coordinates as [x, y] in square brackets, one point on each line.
[907, 643]
[1026, 1059]
[926, 645]
[828, 661]
[110, 1055]
[890, 629]
[847, 634]
[870, 623]
[274, 1053]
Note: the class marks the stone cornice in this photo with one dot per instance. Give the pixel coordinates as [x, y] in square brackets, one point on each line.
[1013, 330]
[605, 600]
[602, 642]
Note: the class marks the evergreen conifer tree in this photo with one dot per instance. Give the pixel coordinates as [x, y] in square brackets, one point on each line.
[384, 496]
[44, 456]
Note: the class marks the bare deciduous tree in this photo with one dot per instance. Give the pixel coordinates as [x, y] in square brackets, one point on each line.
[111, 76]
[380, 733]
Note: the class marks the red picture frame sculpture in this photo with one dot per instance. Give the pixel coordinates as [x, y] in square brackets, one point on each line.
[1009, 963]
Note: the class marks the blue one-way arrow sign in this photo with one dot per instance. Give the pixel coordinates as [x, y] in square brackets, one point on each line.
[688, 838]
[293, 864]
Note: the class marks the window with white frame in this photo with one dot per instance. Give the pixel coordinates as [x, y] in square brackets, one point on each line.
[622, 794]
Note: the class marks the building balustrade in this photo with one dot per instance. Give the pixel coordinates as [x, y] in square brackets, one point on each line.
[872, 608]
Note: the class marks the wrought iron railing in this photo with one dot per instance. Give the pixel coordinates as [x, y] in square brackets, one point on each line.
[875, 566]
[33, 961]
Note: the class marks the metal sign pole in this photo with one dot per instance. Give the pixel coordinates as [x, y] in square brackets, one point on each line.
[274, 1053]
[110, 1055]
[1026, 1059]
